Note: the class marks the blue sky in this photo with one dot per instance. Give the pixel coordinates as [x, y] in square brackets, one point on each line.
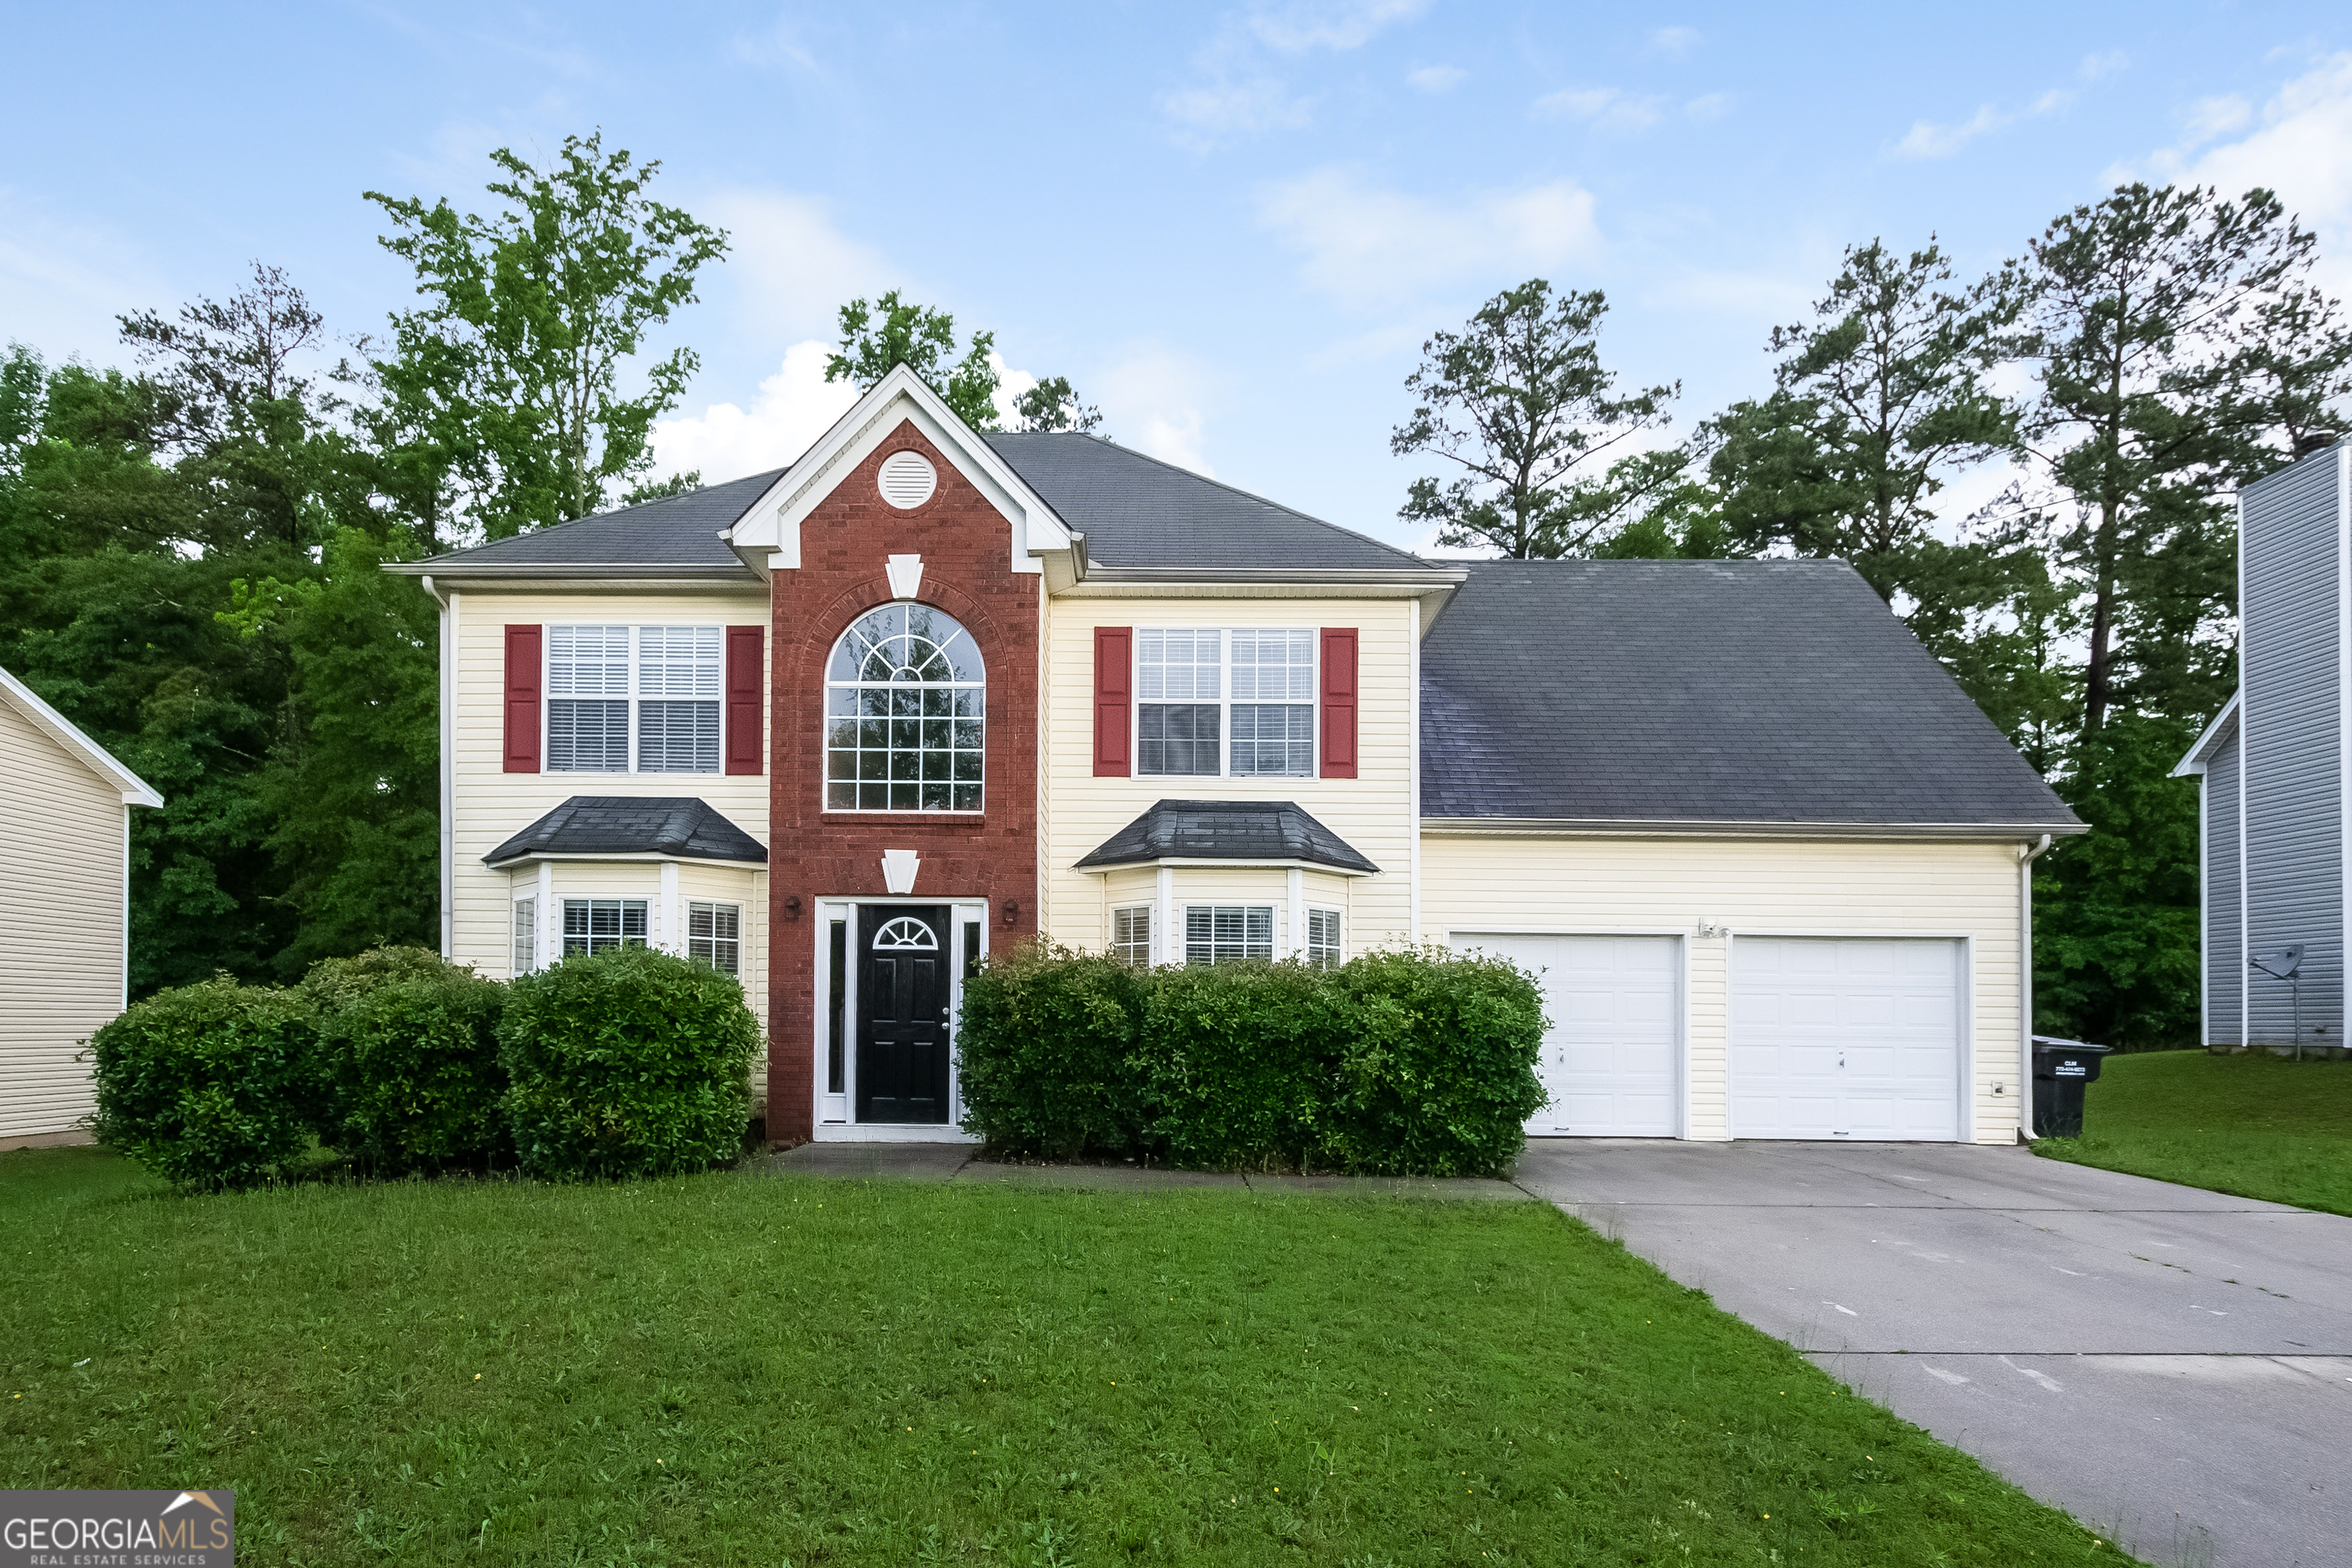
[1231, 227]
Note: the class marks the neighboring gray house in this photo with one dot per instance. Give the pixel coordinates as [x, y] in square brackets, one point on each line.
[2274, 770]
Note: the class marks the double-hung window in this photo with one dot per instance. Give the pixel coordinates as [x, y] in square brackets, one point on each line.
[632, 699]
[1237, 703]
[1130, 934]
[1323, 939]
[592, 925]
[714, 935]
[1228, 933]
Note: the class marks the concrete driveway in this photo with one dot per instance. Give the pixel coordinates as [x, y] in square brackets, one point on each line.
[2173, 1367]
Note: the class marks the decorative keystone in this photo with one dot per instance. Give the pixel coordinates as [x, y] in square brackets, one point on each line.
[899, 871]
[906, 574]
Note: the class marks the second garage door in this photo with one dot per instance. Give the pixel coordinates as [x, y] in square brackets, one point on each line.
[1845, 1037]
[1608, 1062]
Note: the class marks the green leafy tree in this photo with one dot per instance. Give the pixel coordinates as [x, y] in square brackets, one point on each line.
[877, 338]
[1054, 404]
[504, 392]
[662, 490]
[1519, 400]
[1875, 401]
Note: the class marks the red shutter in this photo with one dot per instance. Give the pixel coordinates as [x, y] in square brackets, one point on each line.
[1114, 677]
[746, 651]
[522, 699]
[1339, 702]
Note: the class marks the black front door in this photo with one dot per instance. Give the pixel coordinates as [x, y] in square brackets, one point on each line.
[902, 1011]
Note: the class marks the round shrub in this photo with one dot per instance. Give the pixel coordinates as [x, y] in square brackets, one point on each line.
[209, 1085]
[626, 1063]
[1233, 1061]
[1043, 1039]
[1435, 1070]
[408, 1049]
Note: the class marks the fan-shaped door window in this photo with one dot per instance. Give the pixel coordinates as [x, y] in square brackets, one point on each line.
[906, 702]
[906, 934]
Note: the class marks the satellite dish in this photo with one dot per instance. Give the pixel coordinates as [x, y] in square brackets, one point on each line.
[2280, 962]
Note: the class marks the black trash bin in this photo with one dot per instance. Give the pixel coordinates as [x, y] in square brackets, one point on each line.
[2061, 1069]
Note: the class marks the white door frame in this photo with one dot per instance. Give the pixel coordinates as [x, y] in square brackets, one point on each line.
[847, 1128]
[1964, 1004]
[1682, 940]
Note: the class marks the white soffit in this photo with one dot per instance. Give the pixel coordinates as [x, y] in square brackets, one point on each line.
[135, 790]
[768, 535]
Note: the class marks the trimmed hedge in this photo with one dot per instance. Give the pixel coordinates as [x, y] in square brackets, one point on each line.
[629, 1062]
[210, 1086]
[1397, 1063]
[408, 1048]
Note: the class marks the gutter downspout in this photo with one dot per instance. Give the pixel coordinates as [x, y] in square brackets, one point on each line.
[2025, 859]
[448, 802]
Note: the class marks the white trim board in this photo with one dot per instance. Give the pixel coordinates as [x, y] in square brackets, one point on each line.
[134, 790]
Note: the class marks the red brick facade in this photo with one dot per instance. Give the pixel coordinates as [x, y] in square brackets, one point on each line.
[814, 853]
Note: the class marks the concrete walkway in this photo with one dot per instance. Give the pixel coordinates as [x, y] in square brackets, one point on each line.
[954, 1162]
[2172, 1366]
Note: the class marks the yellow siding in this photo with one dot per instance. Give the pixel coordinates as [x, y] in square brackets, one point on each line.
[1372, 811]
[492, 804]
[60, 923]
[1754, 888]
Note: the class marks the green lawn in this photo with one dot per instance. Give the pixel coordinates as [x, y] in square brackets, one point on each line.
[761, 1370]
[2256, 1125]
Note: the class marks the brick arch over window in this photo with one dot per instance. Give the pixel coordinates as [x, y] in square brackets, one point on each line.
[816, 854]
[906, 712]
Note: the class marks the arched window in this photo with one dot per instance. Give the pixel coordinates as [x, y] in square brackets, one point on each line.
[905, 700]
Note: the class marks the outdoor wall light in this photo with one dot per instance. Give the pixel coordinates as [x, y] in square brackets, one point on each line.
[1012, 911]
[792, 908]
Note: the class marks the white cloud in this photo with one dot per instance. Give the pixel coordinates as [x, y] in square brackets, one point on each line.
[795, 407]
[2210, 117]
[789, 271]
[1926, 139]
[1605, 108]
[1436, 78]
[1366, 245]
[1152, 400]
[64, 281]
[1350, 25]
[2301, 149]
[1706, 110]
[1675, 43]
[1224, 110]
[2094, 66]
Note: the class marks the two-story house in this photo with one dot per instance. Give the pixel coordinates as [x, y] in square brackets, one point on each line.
[2273, 770]
[845, 728]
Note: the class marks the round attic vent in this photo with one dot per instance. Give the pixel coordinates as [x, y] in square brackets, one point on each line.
[907, 480]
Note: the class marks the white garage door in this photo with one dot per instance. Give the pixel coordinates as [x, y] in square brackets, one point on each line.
[1845, 1037]
[1608, 1060]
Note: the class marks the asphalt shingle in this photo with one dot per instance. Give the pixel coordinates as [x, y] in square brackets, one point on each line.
[1226, 831]
[1758, 692]
[678, 825]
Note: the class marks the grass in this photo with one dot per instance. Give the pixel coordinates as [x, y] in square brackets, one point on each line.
[2256, 1125]
[738, 1369]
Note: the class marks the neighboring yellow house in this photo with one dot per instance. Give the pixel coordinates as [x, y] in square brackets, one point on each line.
[65, 902]
[843, 727]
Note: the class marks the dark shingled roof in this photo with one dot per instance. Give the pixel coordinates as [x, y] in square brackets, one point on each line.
[1749, 691]
[678, 532]
[1141, 514]
[677, 825]
[1226, 831]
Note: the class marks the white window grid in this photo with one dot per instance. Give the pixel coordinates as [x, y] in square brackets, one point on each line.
[714, 935]
[1130, 934]
[526, 935]
[1230, 703]
[1323, 938]
[906, 702]
[594, 925]
[643, 700]
[1228, 933]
